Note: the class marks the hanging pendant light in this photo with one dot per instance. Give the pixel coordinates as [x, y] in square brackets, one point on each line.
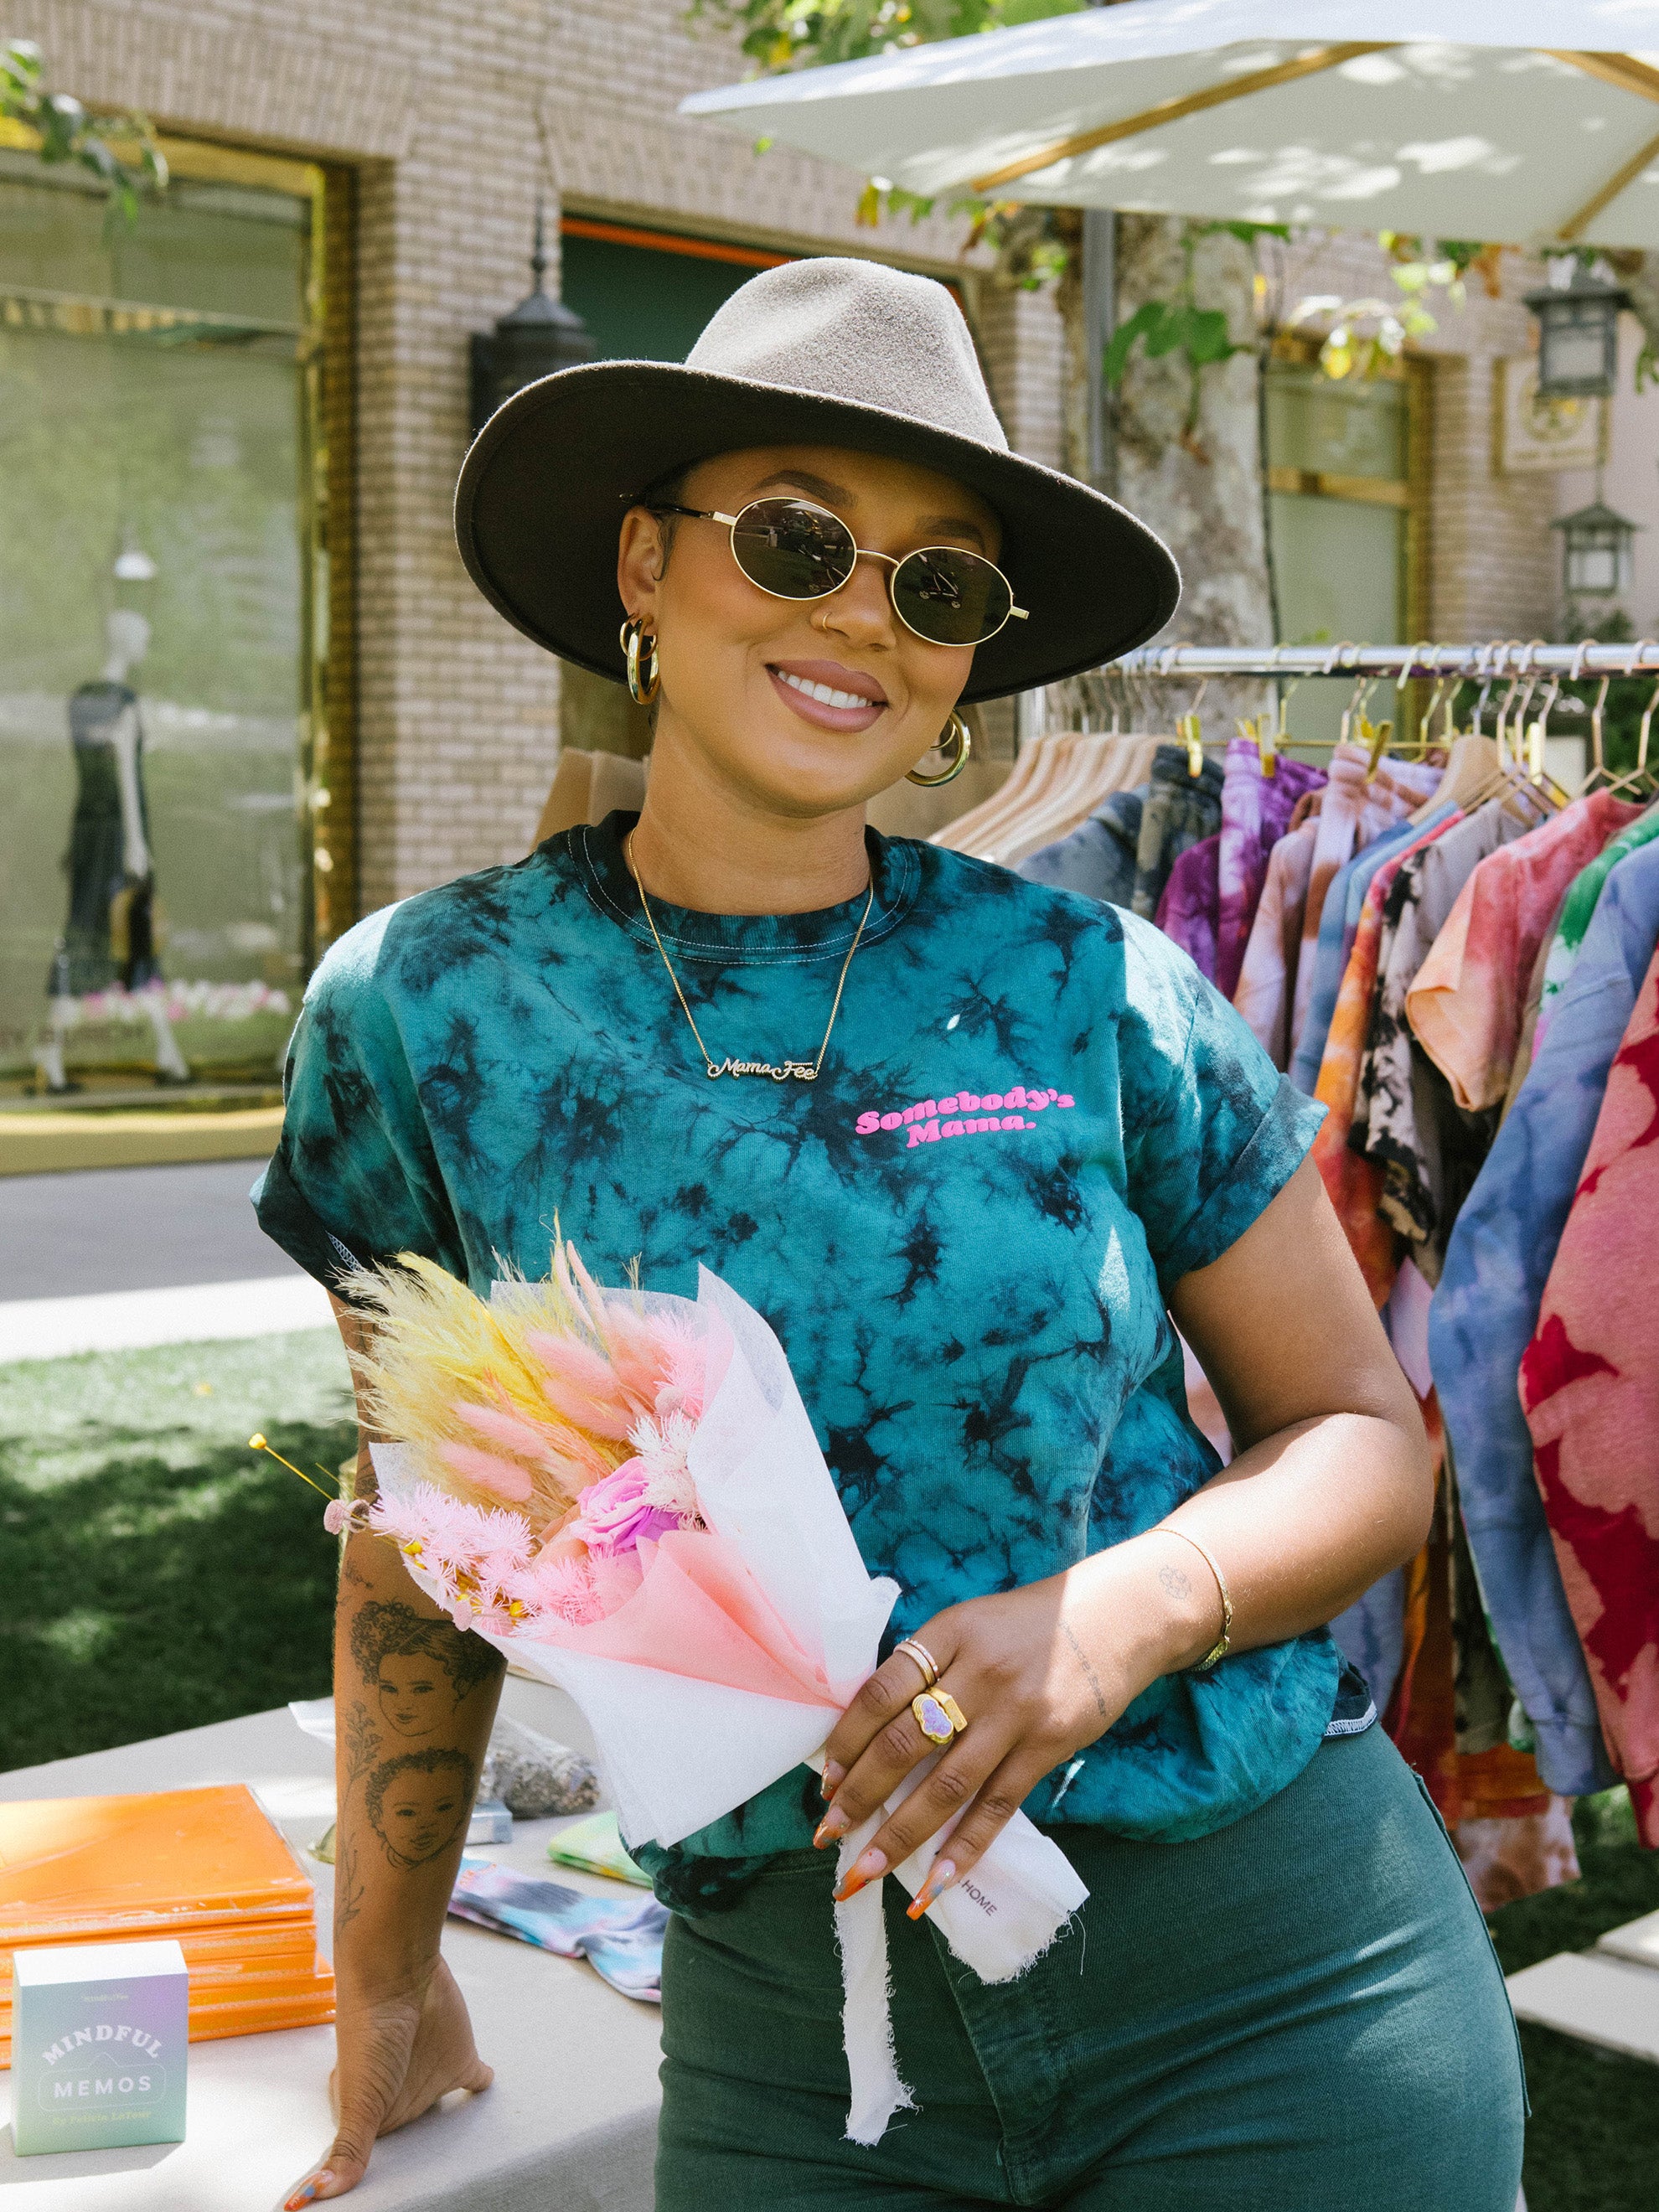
[539, 336]
[1595, 551]
[1577, 317]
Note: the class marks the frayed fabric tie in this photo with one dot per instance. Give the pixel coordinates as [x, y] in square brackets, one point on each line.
[998, 1921]
[866, 2019]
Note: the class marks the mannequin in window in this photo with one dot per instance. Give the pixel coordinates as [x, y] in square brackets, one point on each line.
[109, 938]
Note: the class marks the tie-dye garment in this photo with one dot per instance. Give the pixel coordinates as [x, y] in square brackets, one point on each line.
[1181, 810]
[1256, 813]
[1405, 1116]
[1367, 807]
[1034, 1117]
[1344, 903]
[1267, 981]
[1579, 907]
[1336, 833]
[1189, 911]
[1353, 1180]
[1486, 1309]
[1521, 1068]
[1466, 1006]
[1097, 858]
[1589, 1385]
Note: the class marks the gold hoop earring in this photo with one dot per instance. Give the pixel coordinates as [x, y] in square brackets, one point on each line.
[644, 673]
[956, 729]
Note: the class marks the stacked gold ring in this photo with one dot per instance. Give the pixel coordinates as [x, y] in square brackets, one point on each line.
[923, 1658]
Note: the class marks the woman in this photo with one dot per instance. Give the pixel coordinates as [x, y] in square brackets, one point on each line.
[971, 1144]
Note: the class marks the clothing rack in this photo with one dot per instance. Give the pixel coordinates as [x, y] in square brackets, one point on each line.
[1401, 662]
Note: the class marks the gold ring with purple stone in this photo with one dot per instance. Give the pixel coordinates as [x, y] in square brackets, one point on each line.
[939, 1716]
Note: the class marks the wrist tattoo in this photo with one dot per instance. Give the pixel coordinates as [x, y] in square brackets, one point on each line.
[1174, 1582]
[1082, 1660]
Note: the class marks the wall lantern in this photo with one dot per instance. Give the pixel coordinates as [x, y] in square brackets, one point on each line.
[1577, 334]
[540, 335]
[1596, 551]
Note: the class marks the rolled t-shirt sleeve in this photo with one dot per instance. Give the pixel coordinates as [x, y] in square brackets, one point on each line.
[1213, 1132]
[355, 1178]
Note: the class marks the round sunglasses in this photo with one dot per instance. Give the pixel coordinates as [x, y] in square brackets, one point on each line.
[792, 549]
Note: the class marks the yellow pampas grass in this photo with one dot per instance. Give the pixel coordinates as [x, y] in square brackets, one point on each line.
[454, 1380]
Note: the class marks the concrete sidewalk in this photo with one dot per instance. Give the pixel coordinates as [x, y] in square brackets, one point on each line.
[191, 1313]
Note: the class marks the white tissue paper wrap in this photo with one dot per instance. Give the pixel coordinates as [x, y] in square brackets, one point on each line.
[678, 1755]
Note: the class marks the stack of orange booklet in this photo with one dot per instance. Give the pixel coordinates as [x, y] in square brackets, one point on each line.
[205, 1866]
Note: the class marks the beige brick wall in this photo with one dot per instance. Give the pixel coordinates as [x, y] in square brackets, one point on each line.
[445, 107]
[452, 111]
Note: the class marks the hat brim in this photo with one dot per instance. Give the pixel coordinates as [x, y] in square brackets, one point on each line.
[544, 486]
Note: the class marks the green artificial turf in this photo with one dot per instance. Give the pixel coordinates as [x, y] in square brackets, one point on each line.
[159, 1574]
[1593, 2140]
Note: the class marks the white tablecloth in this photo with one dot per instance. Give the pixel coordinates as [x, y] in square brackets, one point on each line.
[569, 2126]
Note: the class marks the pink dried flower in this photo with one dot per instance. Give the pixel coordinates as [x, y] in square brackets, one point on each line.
[487, 1470]
[613, 1514]
[504, 1428]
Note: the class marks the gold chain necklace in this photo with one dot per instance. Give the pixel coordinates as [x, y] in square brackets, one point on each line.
[799, 1070]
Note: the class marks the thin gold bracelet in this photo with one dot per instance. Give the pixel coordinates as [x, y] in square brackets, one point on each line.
[1221, 1649]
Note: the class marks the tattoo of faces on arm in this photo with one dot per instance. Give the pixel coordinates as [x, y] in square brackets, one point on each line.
[418, 1670]
[419, 1802]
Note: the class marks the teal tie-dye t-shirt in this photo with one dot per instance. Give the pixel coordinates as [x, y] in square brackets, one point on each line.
[1034, 1117]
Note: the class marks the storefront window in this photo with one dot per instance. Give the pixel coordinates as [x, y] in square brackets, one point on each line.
[1340, 503]
[156, 636]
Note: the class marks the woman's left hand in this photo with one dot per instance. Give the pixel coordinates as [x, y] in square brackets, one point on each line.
[1038, 1673]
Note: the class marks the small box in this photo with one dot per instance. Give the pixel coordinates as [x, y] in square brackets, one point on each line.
[99, 2042]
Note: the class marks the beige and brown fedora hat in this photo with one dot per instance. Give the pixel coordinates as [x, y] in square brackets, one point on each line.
[822, 352]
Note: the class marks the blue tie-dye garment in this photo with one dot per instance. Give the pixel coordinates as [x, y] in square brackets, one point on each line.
[1034, 1117]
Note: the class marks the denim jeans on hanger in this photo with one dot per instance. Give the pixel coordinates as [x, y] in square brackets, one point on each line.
[1181, 810]
[1098, 858]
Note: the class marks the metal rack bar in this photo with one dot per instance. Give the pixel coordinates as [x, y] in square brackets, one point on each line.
[1510, 657]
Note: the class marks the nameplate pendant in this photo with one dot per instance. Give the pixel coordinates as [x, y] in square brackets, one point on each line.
[793, 1071]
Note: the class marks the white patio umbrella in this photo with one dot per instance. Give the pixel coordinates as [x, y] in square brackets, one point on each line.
[1518, 122]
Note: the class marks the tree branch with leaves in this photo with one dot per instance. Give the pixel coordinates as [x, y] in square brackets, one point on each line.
[66, 132]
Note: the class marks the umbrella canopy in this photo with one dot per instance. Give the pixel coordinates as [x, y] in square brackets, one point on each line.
[1519, 123]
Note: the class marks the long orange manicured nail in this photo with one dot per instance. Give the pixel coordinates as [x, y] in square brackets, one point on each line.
[940, 1875]
[832, 1777]
[308, 2193]
[834, 1825]
[863, 1870]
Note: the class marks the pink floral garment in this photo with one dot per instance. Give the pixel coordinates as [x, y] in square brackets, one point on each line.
[1590, 1388]
[1468, 1003]
[1256, 813]
[1267, 981]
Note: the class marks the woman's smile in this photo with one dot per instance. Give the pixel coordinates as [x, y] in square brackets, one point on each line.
[829, 695]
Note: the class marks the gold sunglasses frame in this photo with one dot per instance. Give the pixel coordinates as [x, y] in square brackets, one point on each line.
[859, 553]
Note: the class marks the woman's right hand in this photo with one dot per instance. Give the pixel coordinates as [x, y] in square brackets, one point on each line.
[397, 2055]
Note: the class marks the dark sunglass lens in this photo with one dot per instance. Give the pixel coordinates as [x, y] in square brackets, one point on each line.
[793, 550]
[954, 598]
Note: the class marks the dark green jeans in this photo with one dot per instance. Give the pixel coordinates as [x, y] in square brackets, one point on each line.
[1300, 2013]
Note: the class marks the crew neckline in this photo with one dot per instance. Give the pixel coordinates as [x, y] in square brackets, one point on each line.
[741, 940]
